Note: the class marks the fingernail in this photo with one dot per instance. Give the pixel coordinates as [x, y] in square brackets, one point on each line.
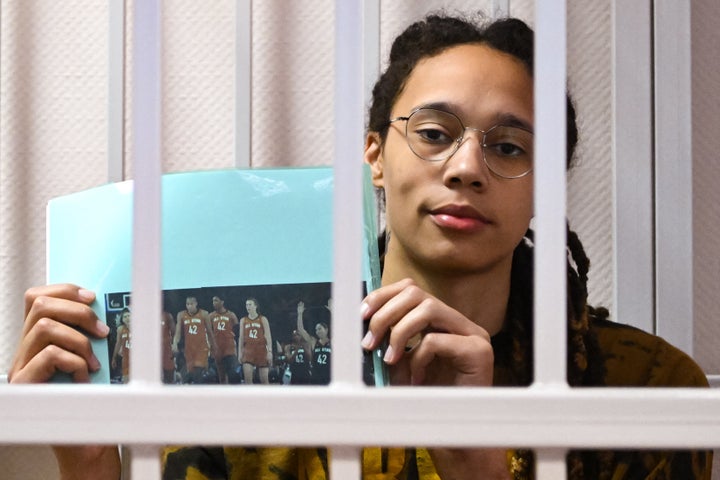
[389, 354]
[368, 340]
[364, 308]
[102, 328]
[86, 295]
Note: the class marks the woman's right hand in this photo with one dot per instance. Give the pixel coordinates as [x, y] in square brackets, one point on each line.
[51, 341]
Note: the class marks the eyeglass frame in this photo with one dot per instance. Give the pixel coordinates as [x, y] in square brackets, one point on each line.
[458, 141]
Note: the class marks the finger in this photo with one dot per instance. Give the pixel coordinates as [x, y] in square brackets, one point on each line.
[392, 310]
[408, 331]
[470, 358]
[67, 291]
[47, 332]
[50, 360]
[431, 315]
[70, 312]
[376, 299]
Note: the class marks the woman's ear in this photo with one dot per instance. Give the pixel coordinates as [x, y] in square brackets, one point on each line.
[373, 157]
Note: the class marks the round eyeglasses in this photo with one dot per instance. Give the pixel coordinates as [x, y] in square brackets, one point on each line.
[435, 135]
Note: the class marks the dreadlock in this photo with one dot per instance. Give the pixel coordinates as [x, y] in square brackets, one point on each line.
[513, 345]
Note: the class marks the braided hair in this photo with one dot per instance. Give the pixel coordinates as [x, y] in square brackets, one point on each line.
[513, 345]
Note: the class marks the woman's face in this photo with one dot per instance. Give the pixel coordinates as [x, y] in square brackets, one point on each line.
[456, 213]
[321, 331]
[250, 306]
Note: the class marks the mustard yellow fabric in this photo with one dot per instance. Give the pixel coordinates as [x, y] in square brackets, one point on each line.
[632, 358]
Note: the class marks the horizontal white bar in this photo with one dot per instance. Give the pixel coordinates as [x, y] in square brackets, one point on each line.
[535, 417]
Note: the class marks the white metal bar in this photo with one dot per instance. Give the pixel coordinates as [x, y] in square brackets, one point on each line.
[116, 90]
[541, 417]
[371, 46]
[550, 195]
[347, 194]
[633, 250]
[345, 462]
[243, 83]
[147, 218]
[599, 417]
[550, 464]
[145, 462]
[673, 173]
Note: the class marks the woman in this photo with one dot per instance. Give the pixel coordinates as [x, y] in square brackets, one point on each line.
[255, 345]
[450, 145]
[298, 360]
[122, 345]
[223, 323]
[319, 345]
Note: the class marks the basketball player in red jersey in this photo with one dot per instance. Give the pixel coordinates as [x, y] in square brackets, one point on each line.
[167, 334]
[194, 326]
[255, 347]
[223, 322]
[122, 345]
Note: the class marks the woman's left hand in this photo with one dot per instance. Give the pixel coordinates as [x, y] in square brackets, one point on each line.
[452, 349]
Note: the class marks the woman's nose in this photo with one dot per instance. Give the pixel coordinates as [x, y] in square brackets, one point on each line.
[466, 167]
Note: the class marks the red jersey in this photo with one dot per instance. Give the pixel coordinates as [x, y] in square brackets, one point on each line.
[124, 334]
[197, 345]
[254, 349]
[222, 324]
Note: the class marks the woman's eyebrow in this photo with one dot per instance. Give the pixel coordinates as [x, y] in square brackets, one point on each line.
[512, 120]
[503, 118]
[444, 106]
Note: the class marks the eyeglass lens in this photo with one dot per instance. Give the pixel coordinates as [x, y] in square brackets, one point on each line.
[435, 135]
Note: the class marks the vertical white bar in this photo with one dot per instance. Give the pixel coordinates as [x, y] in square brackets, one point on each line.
[550, 464]
[145, 462]
[673, 173]
[116, 89]
[371, 46]
[550, 196]
[347, 197]
[633, 251]
[243, 83]
[371, 56]
[345, 463]
[146, 284]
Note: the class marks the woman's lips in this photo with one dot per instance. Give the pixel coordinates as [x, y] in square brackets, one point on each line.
[456, 217]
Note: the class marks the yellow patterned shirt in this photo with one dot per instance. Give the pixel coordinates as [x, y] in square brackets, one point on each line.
[632, 358]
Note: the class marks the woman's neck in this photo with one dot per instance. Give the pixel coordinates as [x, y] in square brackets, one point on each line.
[482, 295]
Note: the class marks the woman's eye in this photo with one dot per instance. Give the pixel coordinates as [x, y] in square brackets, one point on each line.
[433, 135]
[506, 149]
